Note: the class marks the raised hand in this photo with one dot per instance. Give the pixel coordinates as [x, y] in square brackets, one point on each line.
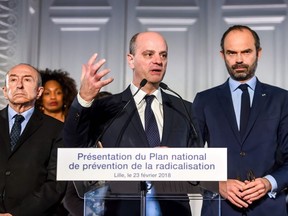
[91, 78]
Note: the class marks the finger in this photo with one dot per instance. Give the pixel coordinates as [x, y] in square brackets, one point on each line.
[237, 201]
[249, 185]
[240, 185]
[89, 66]
[250, 201]
[94, 68]
[92, 59]
[98, 64]
[238, 189]
[101, 74]
[105, 82]
[248, 192]
[254, 196]
[83, 72]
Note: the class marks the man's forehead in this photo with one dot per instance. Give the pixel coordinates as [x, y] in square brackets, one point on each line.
[157, 44]
[239, 35]
[22, 70]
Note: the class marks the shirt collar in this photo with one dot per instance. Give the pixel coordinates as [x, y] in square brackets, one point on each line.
[233, 84]
[27, 114]
[141, 94]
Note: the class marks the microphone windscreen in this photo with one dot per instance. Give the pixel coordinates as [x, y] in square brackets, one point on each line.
[143, 83]
[163, 86]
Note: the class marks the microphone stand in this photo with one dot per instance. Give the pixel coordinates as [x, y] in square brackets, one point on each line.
[98, 140]
[194, 132]
[98, 144]
[195, 135]
[143, 195]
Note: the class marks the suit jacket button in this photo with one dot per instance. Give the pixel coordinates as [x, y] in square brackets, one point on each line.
[242, 154]
[7, 173]
[77, 116]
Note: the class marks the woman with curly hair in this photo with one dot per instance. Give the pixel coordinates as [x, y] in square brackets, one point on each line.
[59, 91]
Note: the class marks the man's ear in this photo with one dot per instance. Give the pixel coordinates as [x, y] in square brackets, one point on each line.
[259, 53]
[39, 92]
[222, 54]
[4, 89]
[130, 60]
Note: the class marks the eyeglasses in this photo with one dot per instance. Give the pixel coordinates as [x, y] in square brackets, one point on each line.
[250, 176]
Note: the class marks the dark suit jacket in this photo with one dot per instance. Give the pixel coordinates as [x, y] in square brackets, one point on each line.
[84, 125]
[264, 149]
[28, 174]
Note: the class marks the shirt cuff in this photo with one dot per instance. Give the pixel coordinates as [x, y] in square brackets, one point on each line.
[271, 179]
[84, 103]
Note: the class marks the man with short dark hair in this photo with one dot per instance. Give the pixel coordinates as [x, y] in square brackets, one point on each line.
[250, 119]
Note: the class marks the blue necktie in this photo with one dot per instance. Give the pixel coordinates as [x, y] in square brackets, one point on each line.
[151, 127]
[16, 130]
[245, 108]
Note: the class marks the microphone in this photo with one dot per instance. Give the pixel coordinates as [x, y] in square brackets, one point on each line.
[84, 186]
[194, 132]
[98, 142]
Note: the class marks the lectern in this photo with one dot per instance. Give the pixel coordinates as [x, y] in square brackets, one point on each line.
[108, 192]
[109, 178]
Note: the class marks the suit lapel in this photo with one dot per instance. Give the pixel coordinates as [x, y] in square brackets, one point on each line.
[225, 99]
[259, 99]
[4, 133]
[34, 124]
[132, 114]
[167, 120]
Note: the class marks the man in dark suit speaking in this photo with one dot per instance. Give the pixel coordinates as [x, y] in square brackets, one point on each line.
[250, 119]
[87, 117]
[28, 149]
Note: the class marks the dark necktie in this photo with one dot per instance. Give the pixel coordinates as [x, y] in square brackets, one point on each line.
[16, 130]
[151, 127]
[245, 108]
[152, 133]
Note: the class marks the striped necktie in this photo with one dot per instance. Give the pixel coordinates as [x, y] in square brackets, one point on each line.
[16, 130]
